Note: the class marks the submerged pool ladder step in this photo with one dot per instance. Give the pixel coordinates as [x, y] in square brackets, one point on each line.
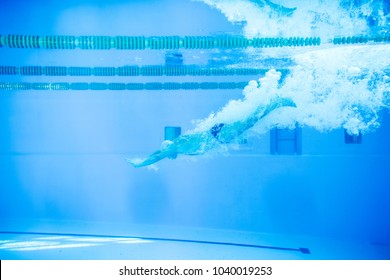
[171, 132]
[286, 141]
[352, 138]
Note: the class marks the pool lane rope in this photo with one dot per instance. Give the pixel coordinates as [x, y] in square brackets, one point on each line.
[153, 43]
[148, 70]
[173, 42]
[123, 86]
[360, 39]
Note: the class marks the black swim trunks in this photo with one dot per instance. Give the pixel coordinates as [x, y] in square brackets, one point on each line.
[216, 129]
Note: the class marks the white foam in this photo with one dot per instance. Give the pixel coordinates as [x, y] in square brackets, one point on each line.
[254, 96]
[311, 17]
[333, 87]
[339, 87]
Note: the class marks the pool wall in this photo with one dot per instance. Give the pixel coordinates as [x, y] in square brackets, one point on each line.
[62, 154]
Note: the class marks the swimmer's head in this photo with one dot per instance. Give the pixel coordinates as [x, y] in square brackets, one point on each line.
[165, 144]
[173, 156]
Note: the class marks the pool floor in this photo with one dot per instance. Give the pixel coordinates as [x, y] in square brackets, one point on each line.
[170, 243]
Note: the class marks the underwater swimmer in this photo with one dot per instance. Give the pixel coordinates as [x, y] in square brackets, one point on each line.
[201, 142]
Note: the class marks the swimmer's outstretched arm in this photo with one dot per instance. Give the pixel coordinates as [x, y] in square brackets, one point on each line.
[153, 158]
[189, 144]
[196, 144]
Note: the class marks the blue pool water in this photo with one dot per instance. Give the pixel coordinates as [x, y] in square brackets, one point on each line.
[308, 179]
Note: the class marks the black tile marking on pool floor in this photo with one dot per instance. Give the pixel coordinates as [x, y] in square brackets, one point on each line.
[302, 250]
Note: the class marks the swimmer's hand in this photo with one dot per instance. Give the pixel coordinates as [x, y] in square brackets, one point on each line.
[136, 162]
